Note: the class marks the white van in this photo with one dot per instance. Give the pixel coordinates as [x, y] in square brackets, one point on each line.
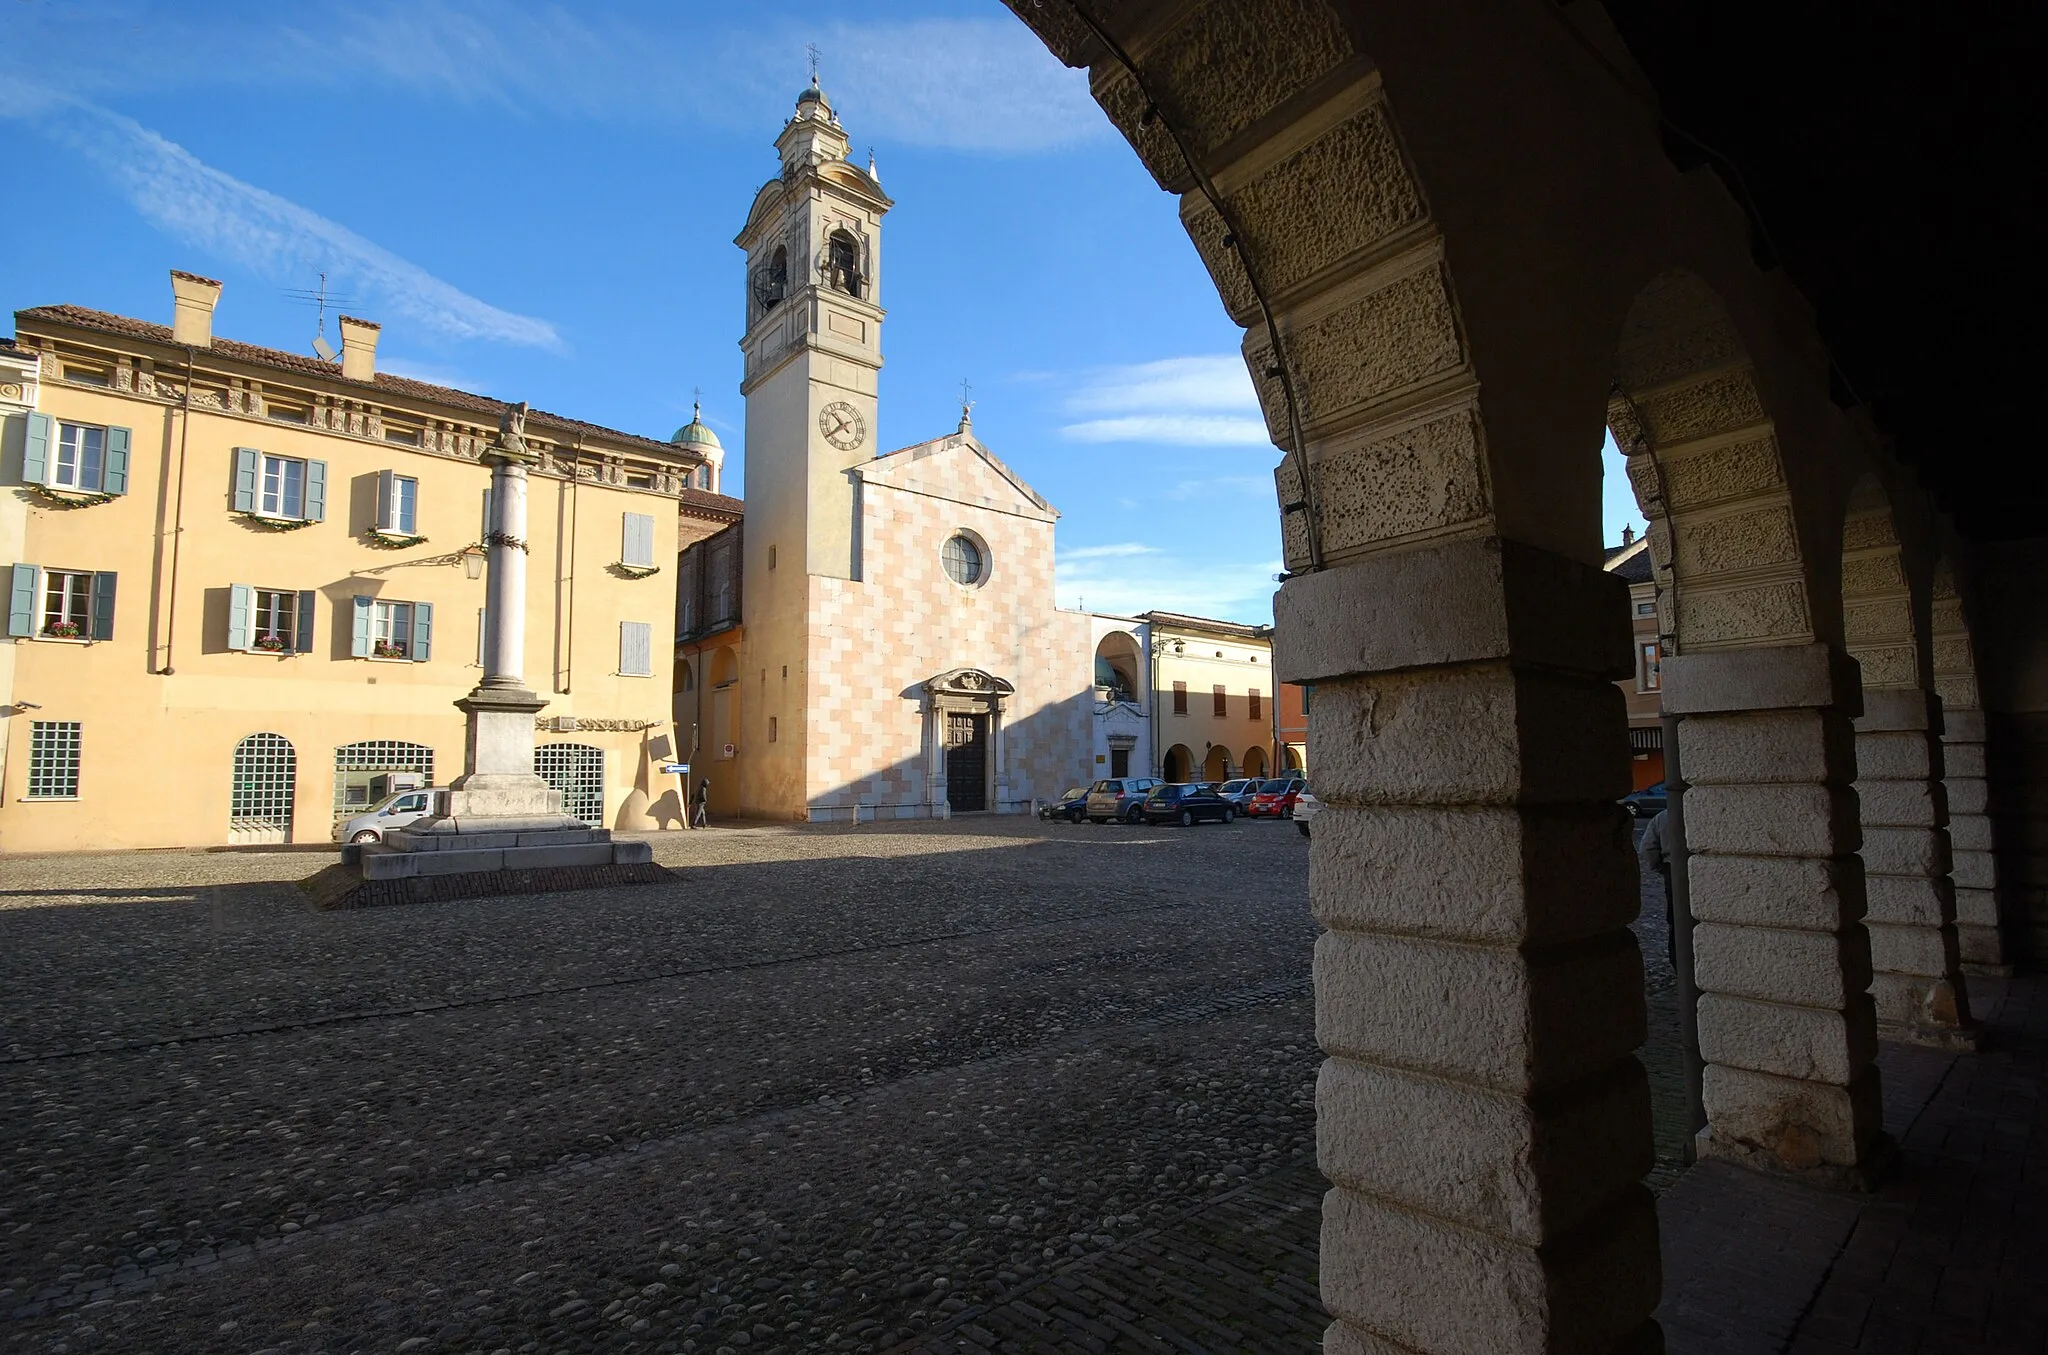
[392, 812]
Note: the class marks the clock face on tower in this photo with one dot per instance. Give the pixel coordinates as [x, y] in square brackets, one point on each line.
[842, 425]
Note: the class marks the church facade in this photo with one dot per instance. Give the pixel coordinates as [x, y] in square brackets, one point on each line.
[899, 653]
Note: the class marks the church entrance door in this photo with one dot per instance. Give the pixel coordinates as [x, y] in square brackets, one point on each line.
[966, 762]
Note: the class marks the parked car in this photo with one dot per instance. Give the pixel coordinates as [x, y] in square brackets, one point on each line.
[1120, 797]
[1187, 803]
[1275, 798]
[1240, 791]
[1071, 806]
[393, 812]
[1646, 803]
[1306, 807]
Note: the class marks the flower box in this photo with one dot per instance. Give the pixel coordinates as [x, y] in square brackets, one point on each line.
[381, 650]
[270, 644]
[63, 630]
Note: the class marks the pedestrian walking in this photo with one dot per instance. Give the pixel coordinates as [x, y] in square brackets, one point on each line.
[1654, 852]
[700, 808]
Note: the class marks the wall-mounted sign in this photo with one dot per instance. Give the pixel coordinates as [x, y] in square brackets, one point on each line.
[676, 768]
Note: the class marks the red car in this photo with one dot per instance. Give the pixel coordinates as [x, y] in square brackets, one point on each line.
[1275, 799]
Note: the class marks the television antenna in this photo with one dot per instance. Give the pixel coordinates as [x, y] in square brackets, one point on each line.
[320, 299]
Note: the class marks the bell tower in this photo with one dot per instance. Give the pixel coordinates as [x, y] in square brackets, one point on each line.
[813, 347]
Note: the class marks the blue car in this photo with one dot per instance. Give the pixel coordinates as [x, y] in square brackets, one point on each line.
[1646, 803]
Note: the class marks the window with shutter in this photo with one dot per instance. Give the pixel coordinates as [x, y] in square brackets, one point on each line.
[1222, 702]
[638, 547]
[636, 649]
[397, 503]
[21, 600]
[1180, 698]
[1254, 700]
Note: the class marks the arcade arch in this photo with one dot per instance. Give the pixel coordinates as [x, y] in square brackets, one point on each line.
[1433, 335]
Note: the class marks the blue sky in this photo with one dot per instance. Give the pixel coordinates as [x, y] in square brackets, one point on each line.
[538, 202]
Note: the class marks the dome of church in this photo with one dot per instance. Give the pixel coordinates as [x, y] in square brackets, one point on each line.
[812, 94]
[696, 434]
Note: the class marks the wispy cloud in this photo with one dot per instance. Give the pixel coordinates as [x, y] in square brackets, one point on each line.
[983, 84]
[1122, 550]
[1219, 486]
[1201, 401]
[1130, 577]
[431, 373]
[239, 223]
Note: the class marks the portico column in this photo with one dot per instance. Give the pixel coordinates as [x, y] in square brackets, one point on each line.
[999, 773]
[1781, 959]
[1917, 981]
[1980, 933]
[1480, 1114]
[935, 768]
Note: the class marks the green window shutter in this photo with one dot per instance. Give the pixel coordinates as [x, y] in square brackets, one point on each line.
[35, 453]
[241, 606]
[387, 518]
[21, 600]
[303, 622]
[359, 636]
[248, 465]
[422, 631]
[114, 480]
[316, 491]
[103, 606]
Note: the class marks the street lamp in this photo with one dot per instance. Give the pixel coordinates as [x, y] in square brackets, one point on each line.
[473, 559]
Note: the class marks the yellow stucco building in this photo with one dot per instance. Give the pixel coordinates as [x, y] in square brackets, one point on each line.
[1212, 697]
[245, 586]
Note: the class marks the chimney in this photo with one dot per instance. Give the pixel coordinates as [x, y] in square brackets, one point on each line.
[195, 298]
[1628, 535]
[358, 349]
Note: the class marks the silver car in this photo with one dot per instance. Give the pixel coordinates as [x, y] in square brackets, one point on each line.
[1240, 791]
[1119, 797]
[394, 811]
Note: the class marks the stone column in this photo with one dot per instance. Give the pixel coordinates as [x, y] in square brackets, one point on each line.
[505, 585]
[1481, 1114]
[1980, 934]
[1917, 981]
[1786, 1027]
[500, 783]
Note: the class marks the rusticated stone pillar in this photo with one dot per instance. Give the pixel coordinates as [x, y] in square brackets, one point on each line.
[1782, 961]
[1980, 933]
[1917, 980]
[1481, 1114]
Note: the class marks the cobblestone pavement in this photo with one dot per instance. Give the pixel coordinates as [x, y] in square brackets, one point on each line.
[979, 1086]
[834, 1089]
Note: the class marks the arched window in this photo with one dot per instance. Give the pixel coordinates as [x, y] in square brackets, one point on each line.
[266, 772]
[361, 768]
[771, 280]
[576, 770]
[842, 262]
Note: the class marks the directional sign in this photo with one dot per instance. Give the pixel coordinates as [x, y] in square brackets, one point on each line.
[676, 768]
